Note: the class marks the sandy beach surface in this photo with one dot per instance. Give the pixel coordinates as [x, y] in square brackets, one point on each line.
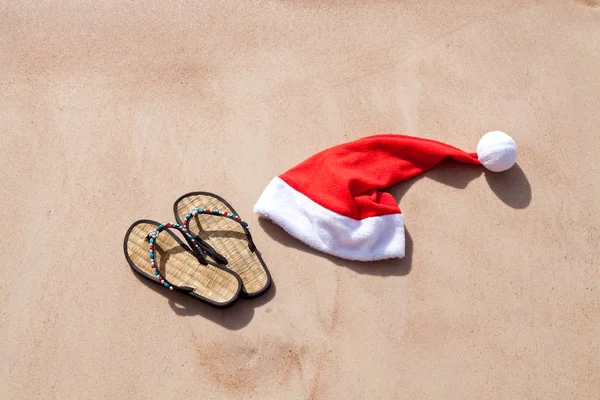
[109, 111]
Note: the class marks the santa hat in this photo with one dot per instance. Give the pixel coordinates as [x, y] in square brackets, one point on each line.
[334, 202]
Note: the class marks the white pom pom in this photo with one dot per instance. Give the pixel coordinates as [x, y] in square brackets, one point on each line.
[497, 151]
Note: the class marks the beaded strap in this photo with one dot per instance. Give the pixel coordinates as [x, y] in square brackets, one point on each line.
[195, 211]
[189, 237]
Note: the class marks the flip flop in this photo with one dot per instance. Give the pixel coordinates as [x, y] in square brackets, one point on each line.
[157, 254]
[214, 223]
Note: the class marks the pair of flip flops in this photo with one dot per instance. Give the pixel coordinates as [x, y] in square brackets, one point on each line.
[216, 262]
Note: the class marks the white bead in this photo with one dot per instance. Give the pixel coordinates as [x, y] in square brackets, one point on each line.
[170, 287]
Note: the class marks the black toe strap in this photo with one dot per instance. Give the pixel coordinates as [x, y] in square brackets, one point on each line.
[209, 250]
[195, 249]
[183, 289]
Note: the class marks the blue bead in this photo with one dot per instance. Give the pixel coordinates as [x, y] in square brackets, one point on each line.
[161, 227]
[151, 254]
[188, 216]
[152, 241]
[201, 210]
[166, 284]
[156, 272]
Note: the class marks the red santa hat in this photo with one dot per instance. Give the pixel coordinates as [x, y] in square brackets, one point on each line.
[334, 202]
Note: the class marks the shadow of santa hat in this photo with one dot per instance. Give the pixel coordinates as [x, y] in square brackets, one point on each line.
[333, 201]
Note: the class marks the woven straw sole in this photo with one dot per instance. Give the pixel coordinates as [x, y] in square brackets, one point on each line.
[227, 237]
[212, 284]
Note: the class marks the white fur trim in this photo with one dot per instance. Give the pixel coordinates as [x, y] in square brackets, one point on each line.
[497, 151]
[373, 238]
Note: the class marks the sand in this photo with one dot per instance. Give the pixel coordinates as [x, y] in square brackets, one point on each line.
[109, 111]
